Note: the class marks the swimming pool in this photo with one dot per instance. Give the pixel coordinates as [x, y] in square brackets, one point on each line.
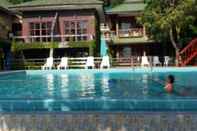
[135, 89]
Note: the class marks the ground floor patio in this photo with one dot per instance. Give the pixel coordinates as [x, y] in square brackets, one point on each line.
[127, 50]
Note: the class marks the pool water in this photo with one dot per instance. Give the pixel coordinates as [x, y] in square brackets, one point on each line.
[97, 90]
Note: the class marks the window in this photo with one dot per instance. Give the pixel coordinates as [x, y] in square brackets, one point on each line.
[76, 30]
[40, 31]
[126, 52]
[82, 30]
[125, 26]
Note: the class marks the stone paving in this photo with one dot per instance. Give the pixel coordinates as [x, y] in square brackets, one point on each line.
[99, 122]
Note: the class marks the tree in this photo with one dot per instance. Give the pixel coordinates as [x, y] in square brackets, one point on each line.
[170, 20]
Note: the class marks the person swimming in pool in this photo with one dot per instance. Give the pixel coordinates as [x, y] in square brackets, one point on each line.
[180, 91]
[169, 84]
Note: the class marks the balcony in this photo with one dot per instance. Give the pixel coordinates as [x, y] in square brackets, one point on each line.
[133, 33]
[61, 39]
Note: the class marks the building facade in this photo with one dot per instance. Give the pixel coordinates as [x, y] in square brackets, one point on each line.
[72, 24]
[124, 35]
[78, 26]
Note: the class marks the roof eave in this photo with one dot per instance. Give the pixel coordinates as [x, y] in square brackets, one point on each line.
[9, 12]
[53, 7]
[48, 5]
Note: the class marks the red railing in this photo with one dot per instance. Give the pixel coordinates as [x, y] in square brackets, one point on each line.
[188, 53]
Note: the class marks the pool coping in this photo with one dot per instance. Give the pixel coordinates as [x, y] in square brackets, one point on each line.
[103, 113]
[119, 69]
[12, 71]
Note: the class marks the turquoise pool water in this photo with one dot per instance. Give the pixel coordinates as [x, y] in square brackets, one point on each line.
[98, 90]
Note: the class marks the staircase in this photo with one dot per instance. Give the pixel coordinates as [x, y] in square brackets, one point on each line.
[188, 54]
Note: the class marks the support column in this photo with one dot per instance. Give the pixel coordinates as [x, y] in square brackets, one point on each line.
[51, 52]
[25, 31]
[144, 31]
[117, 29]
[61, 28]
[117, 53]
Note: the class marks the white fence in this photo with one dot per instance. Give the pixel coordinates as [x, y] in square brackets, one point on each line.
[80, 62]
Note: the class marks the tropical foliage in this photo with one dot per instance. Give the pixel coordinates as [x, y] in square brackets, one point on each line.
[171, 20]
[17, 46]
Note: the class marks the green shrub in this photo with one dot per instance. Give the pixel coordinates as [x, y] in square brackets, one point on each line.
[18, 46]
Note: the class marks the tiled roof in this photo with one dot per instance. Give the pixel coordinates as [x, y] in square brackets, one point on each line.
[128, 6]
[4, 3]
[133, 1]
[57, 2]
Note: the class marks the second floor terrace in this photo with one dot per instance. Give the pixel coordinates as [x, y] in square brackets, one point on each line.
[121, 27]
[121, 22]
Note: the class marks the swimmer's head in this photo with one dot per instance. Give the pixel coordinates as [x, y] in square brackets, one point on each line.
[170, 79]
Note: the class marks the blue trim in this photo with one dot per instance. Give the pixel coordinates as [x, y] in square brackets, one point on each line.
[104, 47]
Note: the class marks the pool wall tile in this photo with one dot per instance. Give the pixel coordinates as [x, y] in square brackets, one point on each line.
[99, 122]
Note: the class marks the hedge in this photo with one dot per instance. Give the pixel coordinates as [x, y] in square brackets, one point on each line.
[18, 46]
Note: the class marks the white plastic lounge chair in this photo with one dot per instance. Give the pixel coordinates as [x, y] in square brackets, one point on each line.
[63, 64]
[145, 61]
[105, 62]
[49, 64]
[166, 60]
[156, 61]
[90, 62]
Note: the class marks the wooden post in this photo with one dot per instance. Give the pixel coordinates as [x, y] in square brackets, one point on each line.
[61, 28]
[117, 29]
[51, 52]
[40, 22]
[53, 26]
[144, 31]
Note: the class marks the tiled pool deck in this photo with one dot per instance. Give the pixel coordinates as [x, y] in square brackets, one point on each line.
[129, 121]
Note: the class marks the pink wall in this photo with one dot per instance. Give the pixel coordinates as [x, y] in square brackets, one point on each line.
[90, 29]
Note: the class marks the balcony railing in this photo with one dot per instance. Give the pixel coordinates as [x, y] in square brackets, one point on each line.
[55, 38]
[134, 32]
[129, 33]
